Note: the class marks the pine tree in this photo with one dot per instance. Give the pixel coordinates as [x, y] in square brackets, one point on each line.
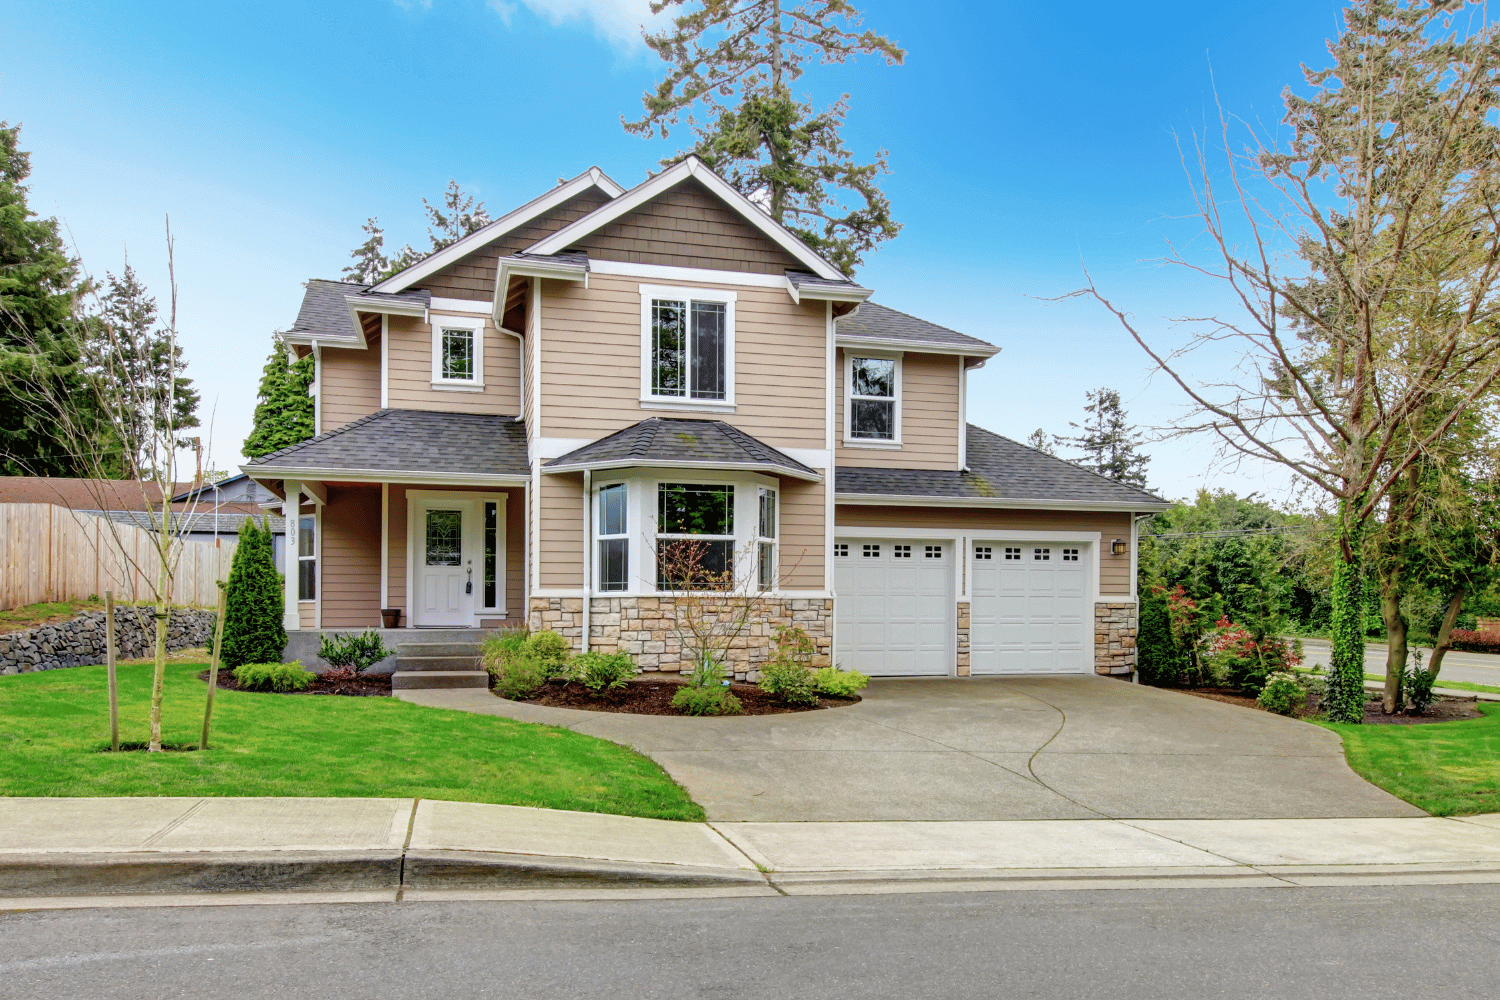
[1041, 441]
[253, 629]
[458, 215]
[1108, 441]
[284, 407]
[40, 342]
[370, 262]
[734, 61]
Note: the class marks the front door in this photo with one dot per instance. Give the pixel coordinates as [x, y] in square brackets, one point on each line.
[445, 565]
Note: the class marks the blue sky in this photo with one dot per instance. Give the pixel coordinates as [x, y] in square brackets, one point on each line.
[1026, 141]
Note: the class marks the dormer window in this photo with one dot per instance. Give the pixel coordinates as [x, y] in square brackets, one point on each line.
[458, 353]
[872, 400]
[687, 348]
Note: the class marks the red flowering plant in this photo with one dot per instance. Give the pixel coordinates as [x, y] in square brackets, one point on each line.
[1243, 658]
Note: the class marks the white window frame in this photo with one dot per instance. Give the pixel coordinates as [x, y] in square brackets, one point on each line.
[854, 442]
[310, 558]
[762, 540]
[600, 537]
[474, 324]
[651, 401]
[496, 610]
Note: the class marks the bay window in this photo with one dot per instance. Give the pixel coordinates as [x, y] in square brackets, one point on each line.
[687, 348]
[695, 536]
[765, 546]
[614, 539]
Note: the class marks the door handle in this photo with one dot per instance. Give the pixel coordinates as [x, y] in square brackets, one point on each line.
[469, 586]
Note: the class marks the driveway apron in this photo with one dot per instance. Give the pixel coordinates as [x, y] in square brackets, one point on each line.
[989, 749]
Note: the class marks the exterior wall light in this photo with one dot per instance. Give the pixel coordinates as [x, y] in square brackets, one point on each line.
[1118, 547]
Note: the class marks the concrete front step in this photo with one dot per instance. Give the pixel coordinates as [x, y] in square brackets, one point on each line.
[410, 649]
[469, 662]
[408, 680]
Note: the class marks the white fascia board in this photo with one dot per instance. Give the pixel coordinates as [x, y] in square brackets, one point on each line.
[309, 339]
[826, 293]
[918, 346]
[471, 307]
[629, 463]
[530, 269]
[999, 503]
[676, 275]
[431, 264]
[669, 178]
[264, 475]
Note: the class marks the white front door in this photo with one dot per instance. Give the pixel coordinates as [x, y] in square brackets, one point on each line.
[1029, 608]
[444, 553]
[894, 613]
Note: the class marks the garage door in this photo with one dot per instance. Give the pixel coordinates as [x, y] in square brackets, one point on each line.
[1029, 610]
[894, 614]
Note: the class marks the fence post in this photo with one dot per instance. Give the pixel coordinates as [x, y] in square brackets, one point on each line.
[109, 659]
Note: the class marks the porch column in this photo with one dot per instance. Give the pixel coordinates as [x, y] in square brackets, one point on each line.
[292, 512]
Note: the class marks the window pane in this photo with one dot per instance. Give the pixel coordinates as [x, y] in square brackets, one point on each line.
[444, 537]
[614, 564]
[767, 565]
[307, 579]
[872, 418]
[874, 377]
[491, 554]
[668, 348]
[685, 509]
[768, 513]
[691, 564]
[612, 510]
[458, 354]
[305, 536]
[708, 350]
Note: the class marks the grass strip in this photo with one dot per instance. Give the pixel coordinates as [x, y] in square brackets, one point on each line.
[54, 733]
[1440, 687]
[1446, 768]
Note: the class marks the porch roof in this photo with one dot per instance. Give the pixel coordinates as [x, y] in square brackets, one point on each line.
[407, 446]
[673, 442]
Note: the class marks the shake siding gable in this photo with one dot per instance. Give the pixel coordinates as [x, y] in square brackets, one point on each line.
[410, 380]
[929, 417]
[349, 385]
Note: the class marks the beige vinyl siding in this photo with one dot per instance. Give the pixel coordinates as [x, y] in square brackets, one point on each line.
[591, 362]
[348, 385]
[803, 543]
[396, 552]
[473, 276]
[688, 226]
[515, 545]
[561, 545]
[930, 387]
[410, 378]
[351, 557]
[1114, 571]
[307, 614]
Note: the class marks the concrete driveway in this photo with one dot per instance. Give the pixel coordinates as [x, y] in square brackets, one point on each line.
[989, 749]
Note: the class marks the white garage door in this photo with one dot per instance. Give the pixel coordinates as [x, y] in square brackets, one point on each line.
[1029, 610]
[894, 614]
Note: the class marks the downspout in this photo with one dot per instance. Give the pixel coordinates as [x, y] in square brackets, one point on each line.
[588, 554]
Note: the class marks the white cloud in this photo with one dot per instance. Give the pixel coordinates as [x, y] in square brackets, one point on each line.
[618, 22]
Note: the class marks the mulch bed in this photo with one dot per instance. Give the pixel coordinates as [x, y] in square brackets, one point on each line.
[652, 697]
[359, 686]
[1444, 708]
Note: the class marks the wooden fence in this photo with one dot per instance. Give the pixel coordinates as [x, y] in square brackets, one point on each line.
[50, 553]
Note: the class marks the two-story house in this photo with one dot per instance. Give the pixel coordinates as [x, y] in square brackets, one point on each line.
[510, 430]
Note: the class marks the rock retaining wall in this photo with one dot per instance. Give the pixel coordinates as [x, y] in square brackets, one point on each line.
[80, 640]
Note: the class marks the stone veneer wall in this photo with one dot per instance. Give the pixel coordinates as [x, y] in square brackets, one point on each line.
[1115, 627]
[645, 627]
[80, 640]
[963, 638]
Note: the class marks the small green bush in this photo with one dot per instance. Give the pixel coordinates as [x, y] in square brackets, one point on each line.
[520, 677]
[1418, 688]
[356, 653]
[1283, 694]
[501, 647]
[694, 700]
[601, 672]
[788, 675]
[273, 676]
[838, 683]
[549, 647]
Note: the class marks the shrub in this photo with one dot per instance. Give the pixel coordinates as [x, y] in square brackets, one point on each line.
[1468, 641]
[500, 647]
[839, 683]
[548, 647]
[1282, 694]
[355, 653]
[1159, 661]
[601, 672]
[694, 700]
[273, 676]
[253, 631]
[520, 677]
[788, 675]
[1417, 684]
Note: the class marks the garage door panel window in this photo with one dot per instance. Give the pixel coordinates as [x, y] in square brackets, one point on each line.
[1029, 609]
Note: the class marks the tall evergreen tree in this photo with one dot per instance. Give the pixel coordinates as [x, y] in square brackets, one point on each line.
[733, 63]
[253, 629]
[370, 262]
[40, 342]
[284, 407]
[456, 216]
[1108, 441]
[1041, 441]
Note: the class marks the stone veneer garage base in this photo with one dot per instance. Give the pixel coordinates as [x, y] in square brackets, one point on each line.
[645, 627]
[1115, 628]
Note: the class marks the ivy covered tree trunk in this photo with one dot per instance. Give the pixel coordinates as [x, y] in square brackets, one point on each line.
[1345, 700]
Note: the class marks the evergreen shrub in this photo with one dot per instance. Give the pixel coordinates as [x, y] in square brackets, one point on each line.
[1417, 686]
[549, 647]
[353, 654]
[601, 672]
[519, 677]
[691, 699]
[788, 675]
[839, 683]
[253, 630]
[1158, 659]
[273, 676]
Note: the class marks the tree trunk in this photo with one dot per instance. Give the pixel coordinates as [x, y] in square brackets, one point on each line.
[1395, 637]
[163, 592]
[1345, 700]
[1445, 632]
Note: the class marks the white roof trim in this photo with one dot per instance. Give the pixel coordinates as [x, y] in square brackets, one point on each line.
[432, 263]
[669, 178]
[980, 350]
[827, 293]
[264, 474]
[910, 500]
[630, 463]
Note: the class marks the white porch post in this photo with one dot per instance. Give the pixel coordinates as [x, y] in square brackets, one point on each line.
[292, 512]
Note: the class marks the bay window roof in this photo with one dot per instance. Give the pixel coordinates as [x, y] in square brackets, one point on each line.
[667, 442]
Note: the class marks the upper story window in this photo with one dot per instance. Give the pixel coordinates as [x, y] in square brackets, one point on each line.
[687, 356]
[458, 353]
[872, 399]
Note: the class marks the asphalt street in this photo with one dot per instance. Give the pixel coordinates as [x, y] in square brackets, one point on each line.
[1366, 942]
[1472, 668]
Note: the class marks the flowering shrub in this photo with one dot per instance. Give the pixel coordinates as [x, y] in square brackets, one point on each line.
[1243, 661]
[1283, 693]
[1469, 641]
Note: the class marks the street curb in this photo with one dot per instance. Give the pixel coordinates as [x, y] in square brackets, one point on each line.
[484, 870]
[67, 874]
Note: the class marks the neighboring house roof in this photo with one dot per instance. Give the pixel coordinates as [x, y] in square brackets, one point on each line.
[391, 444]
[1001, 473]
[201, 522]
[872, 323]
[329, 307]
[670, 442]
[84, 494]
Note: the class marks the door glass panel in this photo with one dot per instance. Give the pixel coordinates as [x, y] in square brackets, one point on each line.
[445, 539]
[491, 554]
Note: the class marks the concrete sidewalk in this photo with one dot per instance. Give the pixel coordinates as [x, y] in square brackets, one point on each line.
[152, 851]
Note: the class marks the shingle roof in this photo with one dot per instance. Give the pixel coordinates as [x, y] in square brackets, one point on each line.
[872, 321]
[802, 280]
[207, 522]
[325, 307]
[412, 442]
[84, 494]
[671, 441]
[999, 469]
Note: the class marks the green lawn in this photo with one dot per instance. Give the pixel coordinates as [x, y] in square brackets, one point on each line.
[54, 734]
[1446, 768]
[1441, 682]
